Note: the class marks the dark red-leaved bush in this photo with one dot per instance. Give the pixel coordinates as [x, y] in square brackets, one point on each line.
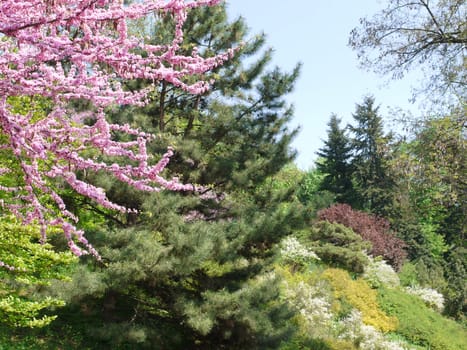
[373, 229]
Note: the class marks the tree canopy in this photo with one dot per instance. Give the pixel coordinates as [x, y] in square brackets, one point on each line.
[407, 34]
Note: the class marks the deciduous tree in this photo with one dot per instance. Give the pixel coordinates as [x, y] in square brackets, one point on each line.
[27, 267]
[407, 34]
[68, 51]
[431, 195]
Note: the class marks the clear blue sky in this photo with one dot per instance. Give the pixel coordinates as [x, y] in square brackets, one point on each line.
[316, 33]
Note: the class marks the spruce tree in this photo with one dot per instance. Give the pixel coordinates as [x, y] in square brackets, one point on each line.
[193, 270]
[335, 163]
[372, 174]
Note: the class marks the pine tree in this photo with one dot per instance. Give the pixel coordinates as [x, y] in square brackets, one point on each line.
[194, 269]
[336, 163]
[372, 173]
[244, 109]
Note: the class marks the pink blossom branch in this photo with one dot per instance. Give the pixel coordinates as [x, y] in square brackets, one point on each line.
[66, 50]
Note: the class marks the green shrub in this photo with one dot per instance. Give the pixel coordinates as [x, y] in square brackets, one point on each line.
[302, 343]
[430, 274]
[339, 246]
[26, 266]
[47, 338]
[421, 325]
[408, 274]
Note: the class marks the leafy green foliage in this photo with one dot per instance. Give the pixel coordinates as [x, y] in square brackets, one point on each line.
[286, 179]
[436, 163]
[456, 275]
[32, 266]
[408, 274]
[421, 325]
[310, 194]
[36, 107]
[318, 344]
[44, 338]
[431, 212]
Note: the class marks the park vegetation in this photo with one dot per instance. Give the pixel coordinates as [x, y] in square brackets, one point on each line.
[149, 200]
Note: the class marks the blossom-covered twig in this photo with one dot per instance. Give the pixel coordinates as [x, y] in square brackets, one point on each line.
[79, 50]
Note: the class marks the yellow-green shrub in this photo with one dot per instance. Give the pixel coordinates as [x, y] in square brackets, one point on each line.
[25, 267]
[340, 344]
[359, 294]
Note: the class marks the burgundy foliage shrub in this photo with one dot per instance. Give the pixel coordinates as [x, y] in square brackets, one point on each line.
[373, 229]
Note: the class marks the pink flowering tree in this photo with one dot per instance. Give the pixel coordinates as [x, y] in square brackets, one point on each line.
[54, 53]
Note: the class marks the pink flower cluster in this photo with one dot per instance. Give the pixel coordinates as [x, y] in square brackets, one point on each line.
[74, 50]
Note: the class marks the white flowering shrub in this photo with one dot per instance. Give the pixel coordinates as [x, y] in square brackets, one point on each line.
[378, 272]
[365, 336]
[292, 250]
[431, 297]
[313, 305]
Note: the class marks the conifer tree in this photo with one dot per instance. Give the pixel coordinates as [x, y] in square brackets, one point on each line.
[336, 163]
[372, 173]
[193, 271]
[243, 97]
